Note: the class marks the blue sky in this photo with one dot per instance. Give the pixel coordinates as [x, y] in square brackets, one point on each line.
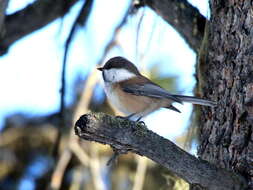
[30, 72]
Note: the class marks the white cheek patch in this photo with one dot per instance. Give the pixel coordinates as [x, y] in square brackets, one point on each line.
[117, 75]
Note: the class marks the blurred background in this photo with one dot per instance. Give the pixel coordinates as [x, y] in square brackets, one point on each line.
[49, 79]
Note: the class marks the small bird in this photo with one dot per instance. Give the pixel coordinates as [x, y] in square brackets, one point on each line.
[134, 94]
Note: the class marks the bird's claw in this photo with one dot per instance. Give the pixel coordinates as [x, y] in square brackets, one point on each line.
[120, 117]
[141, 123]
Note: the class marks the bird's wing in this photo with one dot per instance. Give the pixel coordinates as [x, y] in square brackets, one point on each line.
[150, 90]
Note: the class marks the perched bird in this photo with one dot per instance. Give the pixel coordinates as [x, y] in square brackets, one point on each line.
[134, 94]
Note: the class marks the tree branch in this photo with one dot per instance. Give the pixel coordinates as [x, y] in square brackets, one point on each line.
[185, 18]
[131, 136]
[32, 17]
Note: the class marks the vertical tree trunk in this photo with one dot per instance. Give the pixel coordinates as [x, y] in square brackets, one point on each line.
[226, 75]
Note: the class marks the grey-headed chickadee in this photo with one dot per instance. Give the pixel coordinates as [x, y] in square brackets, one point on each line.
[135, 95]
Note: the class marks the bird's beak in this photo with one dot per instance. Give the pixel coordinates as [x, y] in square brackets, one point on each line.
[100, 68]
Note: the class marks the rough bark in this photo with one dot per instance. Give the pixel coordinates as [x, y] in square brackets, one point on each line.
[185, 18]
[124, 136]
[31, 18]
[226, 75]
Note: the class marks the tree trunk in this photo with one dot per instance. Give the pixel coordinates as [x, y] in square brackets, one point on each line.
[226, 75]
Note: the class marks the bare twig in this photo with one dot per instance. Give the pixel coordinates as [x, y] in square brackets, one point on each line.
[73, 144]
[80, 20]
[77, 179]
[33, 17]
[95, 169]
[79, 152]
[86, 94]
[59, 170]
[140, 173]
[131, 136]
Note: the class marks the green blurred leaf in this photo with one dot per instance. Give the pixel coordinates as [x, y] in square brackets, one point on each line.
[167, 82]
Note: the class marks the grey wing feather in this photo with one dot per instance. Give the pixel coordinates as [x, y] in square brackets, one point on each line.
[150, 90]
[196, 100]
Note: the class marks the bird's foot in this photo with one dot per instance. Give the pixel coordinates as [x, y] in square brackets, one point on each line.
[141, 123]
[126, 117]
[120, 117]
[138, 121]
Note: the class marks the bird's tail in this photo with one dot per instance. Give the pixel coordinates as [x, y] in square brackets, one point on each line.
[195, 100]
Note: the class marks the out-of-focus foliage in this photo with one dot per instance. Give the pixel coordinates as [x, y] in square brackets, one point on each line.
[167, 82]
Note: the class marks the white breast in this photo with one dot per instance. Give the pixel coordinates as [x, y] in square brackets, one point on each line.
[112, 76]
